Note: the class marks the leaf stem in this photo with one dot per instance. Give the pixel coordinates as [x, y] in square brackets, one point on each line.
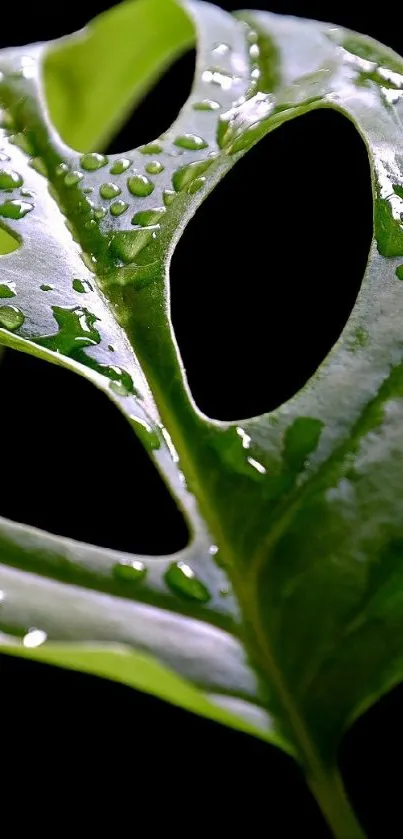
[332, 799]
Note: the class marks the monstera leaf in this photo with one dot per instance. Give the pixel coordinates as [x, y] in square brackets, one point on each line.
[284, 615]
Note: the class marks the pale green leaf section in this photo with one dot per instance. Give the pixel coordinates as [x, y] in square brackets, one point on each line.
[144, 673]
[94, 79]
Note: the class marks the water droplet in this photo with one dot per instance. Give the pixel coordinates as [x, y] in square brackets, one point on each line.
[23, 142]
[131, 572]
[89, 260]
[399, 272]
[147, 217]
[184, 176]
[73, 178]
[197, 184]
[34, 638]
[182, 580]
[92, 161]
[7, 290]
[218, 77]
[190, 141]
[127, 245]
[151, 148]
[61, 169]
[82, 286]
[225, 591]
[120, 166]
[46, 287]
[27, 193]
[168, 196]
[9, 179]
[15, 209]
[154, 167]
[221, 49]
[206, 105]
[118, 207]
[140, 185]
[109, 190]
[213, 550]
[111, 348]
[256, 465]
[100, 213]
[11, 317]
[76, 330]
[39, 165]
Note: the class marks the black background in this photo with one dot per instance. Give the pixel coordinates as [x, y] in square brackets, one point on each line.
[277, 312]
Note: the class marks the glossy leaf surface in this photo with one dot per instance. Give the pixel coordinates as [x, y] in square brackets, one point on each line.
[284, 615]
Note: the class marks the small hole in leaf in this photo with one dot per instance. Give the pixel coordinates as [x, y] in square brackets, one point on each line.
[268, 270]
[8, 242]
[370, 757]
[159, 108]
[73, 466]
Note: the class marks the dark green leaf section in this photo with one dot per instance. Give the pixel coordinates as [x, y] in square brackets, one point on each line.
[284, 615]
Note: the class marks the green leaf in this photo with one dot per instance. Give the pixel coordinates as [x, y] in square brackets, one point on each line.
[284, 616]
[96, 76]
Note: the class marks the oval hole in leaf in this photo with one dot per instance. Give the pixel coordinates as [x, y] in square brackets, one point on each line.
[370, 760]
[159, 108]
[8, 242]
[72, 465]
[267, 272]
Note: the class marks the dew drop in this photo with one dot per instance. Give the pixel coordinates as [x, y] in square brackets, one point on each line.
[168, 196]
[127, 245]
[82, 286]
[154, 167]
[46, 287]
[140, 185]
[206, 105]
[34, 638]
[8, 242]
[195, 185]
[147, 217]
[93, 161]
[131, 572]
[89, 261]
[399, 272]
[6, 290]
[151, 148]
[218, 77]
[184, 176]
[118, 207]
[109, 190]
[190, 141]
[22, 141]
[61, 169]
[11, 317]
[76, 330]
[73, 178]
[182, 580]
[9, 179]
[221, 49]
[100, 213]
[15, 209]
[39, 165]
[120, 166]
